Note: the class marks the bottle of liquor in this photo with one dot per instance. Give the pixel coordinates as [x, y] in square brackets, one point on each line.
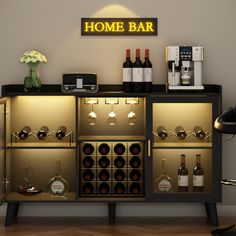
[163, 183]
[127, 72]
[24, 133]
[61, 132]
[88, 175]
[119, 162]
[135, 188]
[180, 132]
[103, 162]
[135, 149]
[135, 162]
[135, 175]
[104, 188]
[88, 188]
[58, 186]
[198, 176]
[199, 133]
[119, 149]
[88, 149]
[147, 72]
[182, 175]
[43, 132]
[104, 149]
[119, 188]
[88, 162]
[119, 175]
[104, 175]
[162, 132]
[137, 73]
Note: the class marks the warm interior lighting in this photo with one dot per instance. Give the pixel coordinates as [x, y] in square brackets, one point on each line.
[90, 100]
[112, 101]
[132, 100]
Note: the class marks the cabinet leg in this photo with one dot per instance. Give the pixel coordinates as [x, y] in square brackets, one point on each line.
[211, 211]
[12, 210]
[112, 212]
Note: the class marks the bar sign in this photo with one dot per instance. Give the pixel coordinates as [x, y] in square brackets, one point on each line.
[119, 26]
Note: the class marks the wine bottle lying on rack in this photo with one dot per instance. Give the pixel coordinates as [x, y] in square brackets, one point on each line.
[104, 175]
[135, 162]
[119, 188]
[104, 188]
[104, 162]
[88, 188]
[119, 175]
[88, 162]
[135, 149]
[24, 133]
[61, 132]
[119, 162]
[88, 175]
[119, 149]
[88, 148]
[135, 175]
[43, 132]
[135, 188]
[104, 149]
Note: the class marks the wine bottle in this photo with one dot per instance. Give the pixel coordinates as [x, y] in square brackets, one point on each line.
[119, 149]
[182, 175]
[198, 176]
[61, 132]
[163, 183]
[104, 175]
[88, 162]
[104, 149]
[119, 188]
[135, 188]
[135, 175]
[147, 72]
[119, 175]
[104, 188]
[88, 149]
[103, 162]
[180, 132]
[199, 133]
[88, 175]
[135, 149]
[137, 74]
[58, 186]
[127, 72]
[42, 133]
[24, 133]
[162, 132]
[119, 162]
[88, 188]
[135, 162]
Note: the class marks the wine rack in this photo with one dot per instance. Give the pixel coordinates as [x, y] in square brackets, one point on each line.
[116, 169]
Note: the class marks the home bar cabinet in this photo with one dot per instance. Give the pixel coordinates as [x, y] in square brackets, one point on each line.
[113, 148]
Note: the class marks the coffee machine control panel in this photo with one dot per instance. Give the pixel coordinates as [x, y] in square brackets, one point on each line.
[185, 53]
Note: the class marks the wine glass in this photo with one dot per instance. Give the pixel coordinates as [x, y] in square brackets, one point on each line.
[111, 119]
[131, 117]
[92, 117]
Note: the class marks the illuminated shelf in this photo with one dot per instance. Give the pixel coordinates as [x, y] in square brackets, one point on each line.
[44, 196]
[111, 138]
[181, 145]
[64, 145]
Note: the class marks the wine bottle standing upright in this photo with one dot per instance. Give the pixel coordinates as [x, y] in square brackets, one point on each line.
[137, 73]
[182, 175]
[198, 175]
[127, 72]
[147, 72]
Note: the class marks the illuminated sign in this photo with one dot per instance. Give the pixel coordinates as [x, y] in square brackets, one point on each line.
[118, 26]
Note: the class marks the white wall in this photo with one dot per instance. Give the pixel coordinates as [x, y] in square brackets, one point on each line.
[53, 27]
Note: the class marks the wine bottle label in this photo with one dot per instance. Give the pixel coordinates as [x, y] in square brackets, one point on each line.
[127, 74]
[57, 187]
[183, 180]
[147, 74]
[164, 185]
[198, 180]
[137, 74]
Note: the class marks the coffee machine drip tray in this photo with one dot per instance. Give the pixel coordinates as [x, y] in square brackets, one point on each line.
[195, 87]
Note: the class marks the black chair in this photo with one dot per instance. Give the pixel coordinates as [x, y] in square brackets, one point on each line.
[226, 124]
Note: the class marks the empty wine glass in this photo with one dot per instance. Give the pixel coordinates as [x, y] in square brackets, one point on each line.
[131, 117]
[111, 119]
[92, 117]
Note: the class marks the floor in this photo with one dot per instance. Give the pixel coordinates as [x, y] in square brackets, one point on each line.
[100, 227]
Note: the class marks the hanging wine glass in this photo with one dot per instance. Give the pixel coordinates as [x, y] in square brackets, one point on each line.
[131, 116]
[92, 116]
[111, 119]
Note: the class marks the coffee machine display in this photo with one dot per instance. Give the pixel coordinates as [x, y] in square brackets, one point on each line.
[184, 67]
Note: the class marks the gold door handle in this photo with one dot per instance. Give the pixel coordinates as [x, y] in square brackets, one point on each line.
[149, 148]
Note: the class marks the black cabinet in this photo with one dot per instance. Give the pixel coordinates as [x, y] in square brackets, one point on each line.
[112, 151]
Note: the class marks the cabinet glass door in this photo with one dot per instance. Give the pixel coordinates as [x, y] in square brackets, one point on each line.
[2, 149]
[183, 156]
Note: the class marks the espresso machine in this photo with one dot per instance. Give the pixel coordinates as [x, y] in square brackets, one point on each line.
[184, 67]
